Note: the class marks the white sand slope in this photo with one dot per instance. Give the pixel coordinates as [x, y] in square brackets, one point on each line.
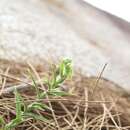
[50, 29]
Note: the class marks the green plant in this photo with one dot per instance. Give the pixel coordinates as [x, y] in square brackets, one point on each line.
[24, 112]
[2, 123]
[60, 73]
[19, 113]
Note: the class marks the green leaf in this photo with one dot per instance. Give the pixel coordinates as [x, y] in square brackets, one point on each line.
[43, 94]
[66, 68]
[62, 69]
[2, 123]
[59, 75]
[35, 116]
[34, 84]
[19, 119]
[37, 106]
[57, 92]
[19, 104]
[13, 123]
[2, 120]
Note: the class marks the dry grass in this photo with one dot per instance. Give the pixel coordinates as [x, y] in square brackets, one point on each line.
[105, 108]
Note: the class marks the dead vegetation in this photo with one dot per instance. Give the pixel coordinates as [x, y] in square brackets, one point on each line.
[105, 107]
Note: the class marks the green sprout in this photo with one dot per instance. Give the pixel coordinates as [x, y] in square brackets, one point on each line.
[60, 73]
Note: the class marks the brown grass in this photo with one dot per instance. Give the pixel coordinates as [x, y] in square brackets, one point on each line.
[105, 108]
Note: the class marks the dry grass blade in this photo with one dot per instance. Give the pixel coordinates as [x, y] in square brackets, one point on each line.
[4, 81]
[71, 122]
[14, 78]
[86, 108]
[99, 77]
[104, 114]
